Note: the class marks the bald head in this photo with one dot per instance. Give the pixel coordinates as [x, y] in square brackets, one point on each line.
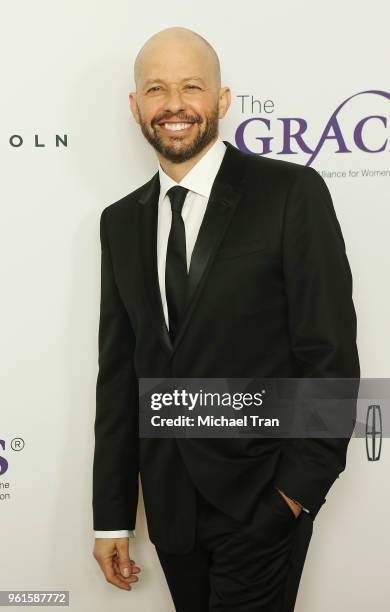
[182, 50]
[178, 100]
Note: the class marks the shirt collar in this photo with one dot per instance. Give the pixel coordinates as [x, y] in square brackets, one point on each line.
[201, 177]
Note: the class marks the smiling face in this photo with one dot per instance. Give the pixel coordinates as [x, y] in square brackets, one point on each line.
[179, 101]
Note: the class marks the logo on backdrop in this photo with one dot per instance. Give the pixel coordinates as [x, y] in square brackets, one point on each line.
[16, 444]
[3, 460]
[295, 135]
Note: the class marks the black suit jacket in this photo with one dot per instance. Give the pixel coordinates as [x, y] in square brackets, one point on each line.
[270, 295]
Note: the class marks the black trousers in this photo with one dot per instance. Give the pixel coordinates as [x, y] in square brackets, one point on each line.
[252, 567]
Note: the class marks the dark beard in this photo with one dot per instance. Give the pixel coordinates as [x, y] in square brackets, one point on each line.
[201, 141]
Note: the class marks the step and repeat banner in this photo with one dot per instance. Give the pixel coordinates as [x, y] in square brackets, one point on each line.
[309, 84]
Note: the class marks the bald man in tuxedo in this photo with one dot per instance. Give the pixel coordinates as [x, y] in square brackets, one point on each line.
[223, 264]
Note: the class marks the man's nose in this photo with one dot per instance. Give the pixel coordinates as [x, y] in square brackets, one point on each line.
[174, 100]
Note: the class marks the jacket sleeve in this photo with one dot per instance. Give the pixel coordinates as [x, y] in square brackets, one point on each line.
[322, 328]
[115, 461]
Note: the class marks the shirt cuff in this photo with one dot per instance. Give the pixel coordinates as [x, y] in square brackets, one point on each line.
[120, 533]
[298, 502]
[303, 508]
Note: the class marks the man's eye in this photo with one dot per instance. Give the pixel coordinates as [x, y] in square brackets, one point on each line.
[157, 87]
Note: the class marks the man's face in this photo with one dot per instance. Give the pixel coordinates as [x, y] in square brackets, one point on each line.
[177, 102]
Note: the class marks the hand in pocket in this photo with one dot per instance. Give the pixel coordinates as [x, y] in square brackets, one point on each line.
[273, 520]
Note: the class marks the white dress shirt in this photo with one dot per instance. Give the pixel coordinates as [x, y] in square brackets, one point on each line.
[199, 181]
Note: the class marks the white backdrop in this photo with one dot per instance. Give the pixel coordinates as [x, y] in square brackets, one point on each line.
[67, 70]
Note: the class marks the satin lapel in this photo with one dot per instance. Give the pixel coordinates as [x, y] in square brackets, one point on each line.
[149, 217]
[224, 196]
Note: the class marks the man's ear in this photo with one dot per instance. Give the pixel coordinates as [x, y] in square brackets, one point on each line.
[224, 101]
[133, 105]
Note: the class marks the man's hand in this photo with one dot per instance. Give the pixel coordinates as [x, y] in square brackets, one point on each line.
[112, 554]
[295, 507]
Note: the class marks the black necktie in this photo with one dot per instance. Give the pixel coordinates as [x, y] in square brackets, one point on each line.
[176, 263]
